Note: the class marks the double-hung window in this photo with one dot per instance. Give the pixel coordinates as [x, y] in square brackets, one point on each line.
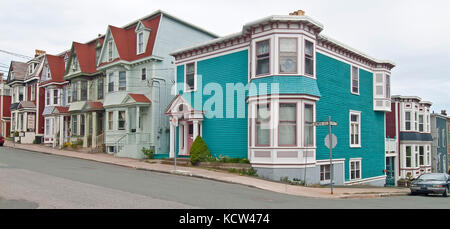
[121, 120]
[407, 120]
[421, 155]
[110, 120]
[355, 170]
[100, 88]
[190, 77]
[74, 125]
[287, 128]
[111, 82]
[288, 55]
[144, 74]
[55, 97]
[355, 129]
[48, 97]
[325, 172]
[262, 57]
[75, 91]
[309, 58]
[355, 80]
[110, 51]
[20, 94]
[33, 92]
[122, 81]
[408, 157]
[416, 118]
[421, 123]
[82, 122]
[69, 95]
[84, 88]
[309, 128]
[263, 125]
[140, 42]
[388, 87]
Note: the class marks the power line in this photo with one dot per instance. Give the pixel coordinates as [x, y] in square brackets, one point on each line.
[16, 54]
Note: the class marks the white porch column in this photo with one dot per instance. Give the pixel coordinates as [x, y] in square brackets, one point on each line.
[25, 121]
[94, 129]
[172, 140]
[54, 130]
[61, 131]
[137, 119]
[86, 130]
[196, 131]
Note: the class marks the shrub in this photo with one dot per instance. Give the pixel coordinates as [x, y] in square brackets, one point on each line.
[67, 144]
[77, 143]
[16, 134]
[148, 153]
[199, 151]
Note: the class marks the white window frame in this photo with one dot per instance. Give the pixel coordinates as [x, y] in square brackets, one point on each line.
[33, 92]
[351, 79]
[138, 42]
[110, 50]
[304, 58]
[186, 89]
[408, 121]
[324, 173]
[297, 52]
[354, 160]
[358, 113]
[269, 40]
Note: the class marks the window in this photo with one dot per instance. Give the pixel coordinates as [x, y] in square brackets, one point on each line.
[263, 125]
[75, 91]
[33, 92]
[182, 136]
[55, 97]
[355, 170]
[110, 51]
[421, 155]
[309, 128]
[428, 123]
[309, 58]
[97, 54]
[121, 120]
[325, 173]
[388, 86]
[140, 42]
[74, 125]
[262, 57]
[84, 88]
[144, 74]
[288, 55]
[47, 127]
[75, 63]
[100, 88]
[355, 128]
[421, 123]
[110, 120]
[287, 128]
[69, 93]
[82, 122]
[122, 81]
[111, 82]
[415, 121]
[407, 120]
[190, 77]
[443, 137]
[20, 94]
[355, 80]
[48, 97]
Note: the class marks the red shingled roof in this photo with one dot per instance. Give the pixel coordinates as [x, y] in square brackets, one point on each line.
[86, 55]
[125, 40]
[63, 110]
[140, 98]
[56, 66]
[95, 106]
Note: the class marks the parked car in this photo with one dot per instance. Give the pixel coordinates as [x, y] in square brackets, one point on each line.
[2, 140]
[435, 183]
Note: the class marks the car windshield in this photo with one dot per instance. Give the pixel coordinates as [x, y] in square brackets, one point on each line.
[432, 176]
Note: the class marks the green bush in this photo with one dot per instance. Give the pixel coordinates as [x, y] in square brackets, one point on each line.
[199, 151]
[148, 153]
[16, 134]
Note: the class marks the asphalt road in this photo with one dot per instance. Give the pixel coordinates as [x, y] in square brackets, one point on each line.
[36, 180]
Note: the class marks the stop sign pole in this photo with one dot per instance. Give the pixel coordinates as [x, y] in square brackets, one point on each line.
[331, 153]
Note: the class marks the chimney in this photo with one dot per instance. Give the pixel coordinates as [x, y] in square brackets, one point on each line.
[298, 13]
[444, 112]
[38, 52]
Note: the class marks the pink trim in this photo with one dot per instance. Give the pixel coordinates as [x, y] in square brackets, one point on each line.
[296, 55]
[185, 77]
[256, 124]
[304, 125]
[296, 123]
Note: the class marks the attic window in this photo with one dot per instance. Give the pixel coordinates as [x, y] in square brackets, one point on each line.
[140, 42]
[75, 63]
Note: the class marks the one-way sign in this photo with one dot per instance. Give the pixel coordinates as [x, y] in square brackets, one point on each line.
[325, 123]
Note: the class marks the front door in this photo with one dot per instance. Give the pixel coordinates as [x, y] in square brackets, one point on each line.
[190, 137]
[390, 171]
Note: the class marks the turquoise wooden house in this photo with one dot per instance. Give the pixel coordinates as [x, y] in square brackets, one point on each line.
[256, 94]
[439, 146]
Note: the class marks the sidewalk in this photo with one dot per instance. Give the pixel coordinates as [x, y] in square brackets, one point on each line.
[322, 192]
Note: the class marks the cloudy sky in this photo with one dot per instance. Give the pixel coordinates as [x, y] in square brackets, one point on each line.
[413, 34]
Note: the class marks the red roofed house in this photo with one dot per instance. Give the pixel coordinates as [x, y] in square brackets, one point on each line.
[86, 94]
[139, 73]
[55, 113]
[5, 103]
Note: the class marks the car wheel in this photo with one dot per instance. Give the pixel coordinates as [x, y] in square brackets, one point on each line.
[445, 192]
[413, 193]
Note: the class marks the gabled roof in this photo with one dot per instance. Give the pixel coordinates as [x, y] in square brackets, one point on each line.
[125, 40]
[140, 98]
[19, 69]
[86, 55]
[56, 65]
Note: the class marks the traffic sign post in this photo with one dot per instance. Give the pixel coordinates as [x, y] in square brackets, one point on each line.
[330, 142]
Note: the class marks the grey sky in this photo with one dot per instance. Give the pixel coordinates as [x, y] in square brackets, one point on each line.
[413, 34]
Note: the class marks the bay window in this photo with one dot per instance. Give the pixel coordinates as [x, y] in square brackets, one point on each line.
[407, 120]
[48, 98]
[100, 88]
[55, 97]
[75, 91]
[110, 120]
[121, 120]
[111, 82]
[288, 55]
[122, 81]
[421, 123]
[287, 128]
[421, 155]
[82, 125]
[74, 125]
[262, 57]
[309, 58]
[388, 87]
[84, 89]
[263, 125]
[308, 125]
[408, 157]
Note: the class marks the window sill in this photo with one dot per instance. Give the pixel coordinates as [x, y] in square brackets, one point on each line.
[355, 146]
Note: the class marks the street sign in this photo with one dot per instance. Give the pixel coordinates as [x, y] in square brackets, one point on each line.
[334, 141]
[325, 123]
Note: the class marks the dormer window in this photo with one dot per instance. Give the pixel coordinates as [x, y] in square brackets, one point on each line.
[75, 63]
[110, 51]
[140, 42]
